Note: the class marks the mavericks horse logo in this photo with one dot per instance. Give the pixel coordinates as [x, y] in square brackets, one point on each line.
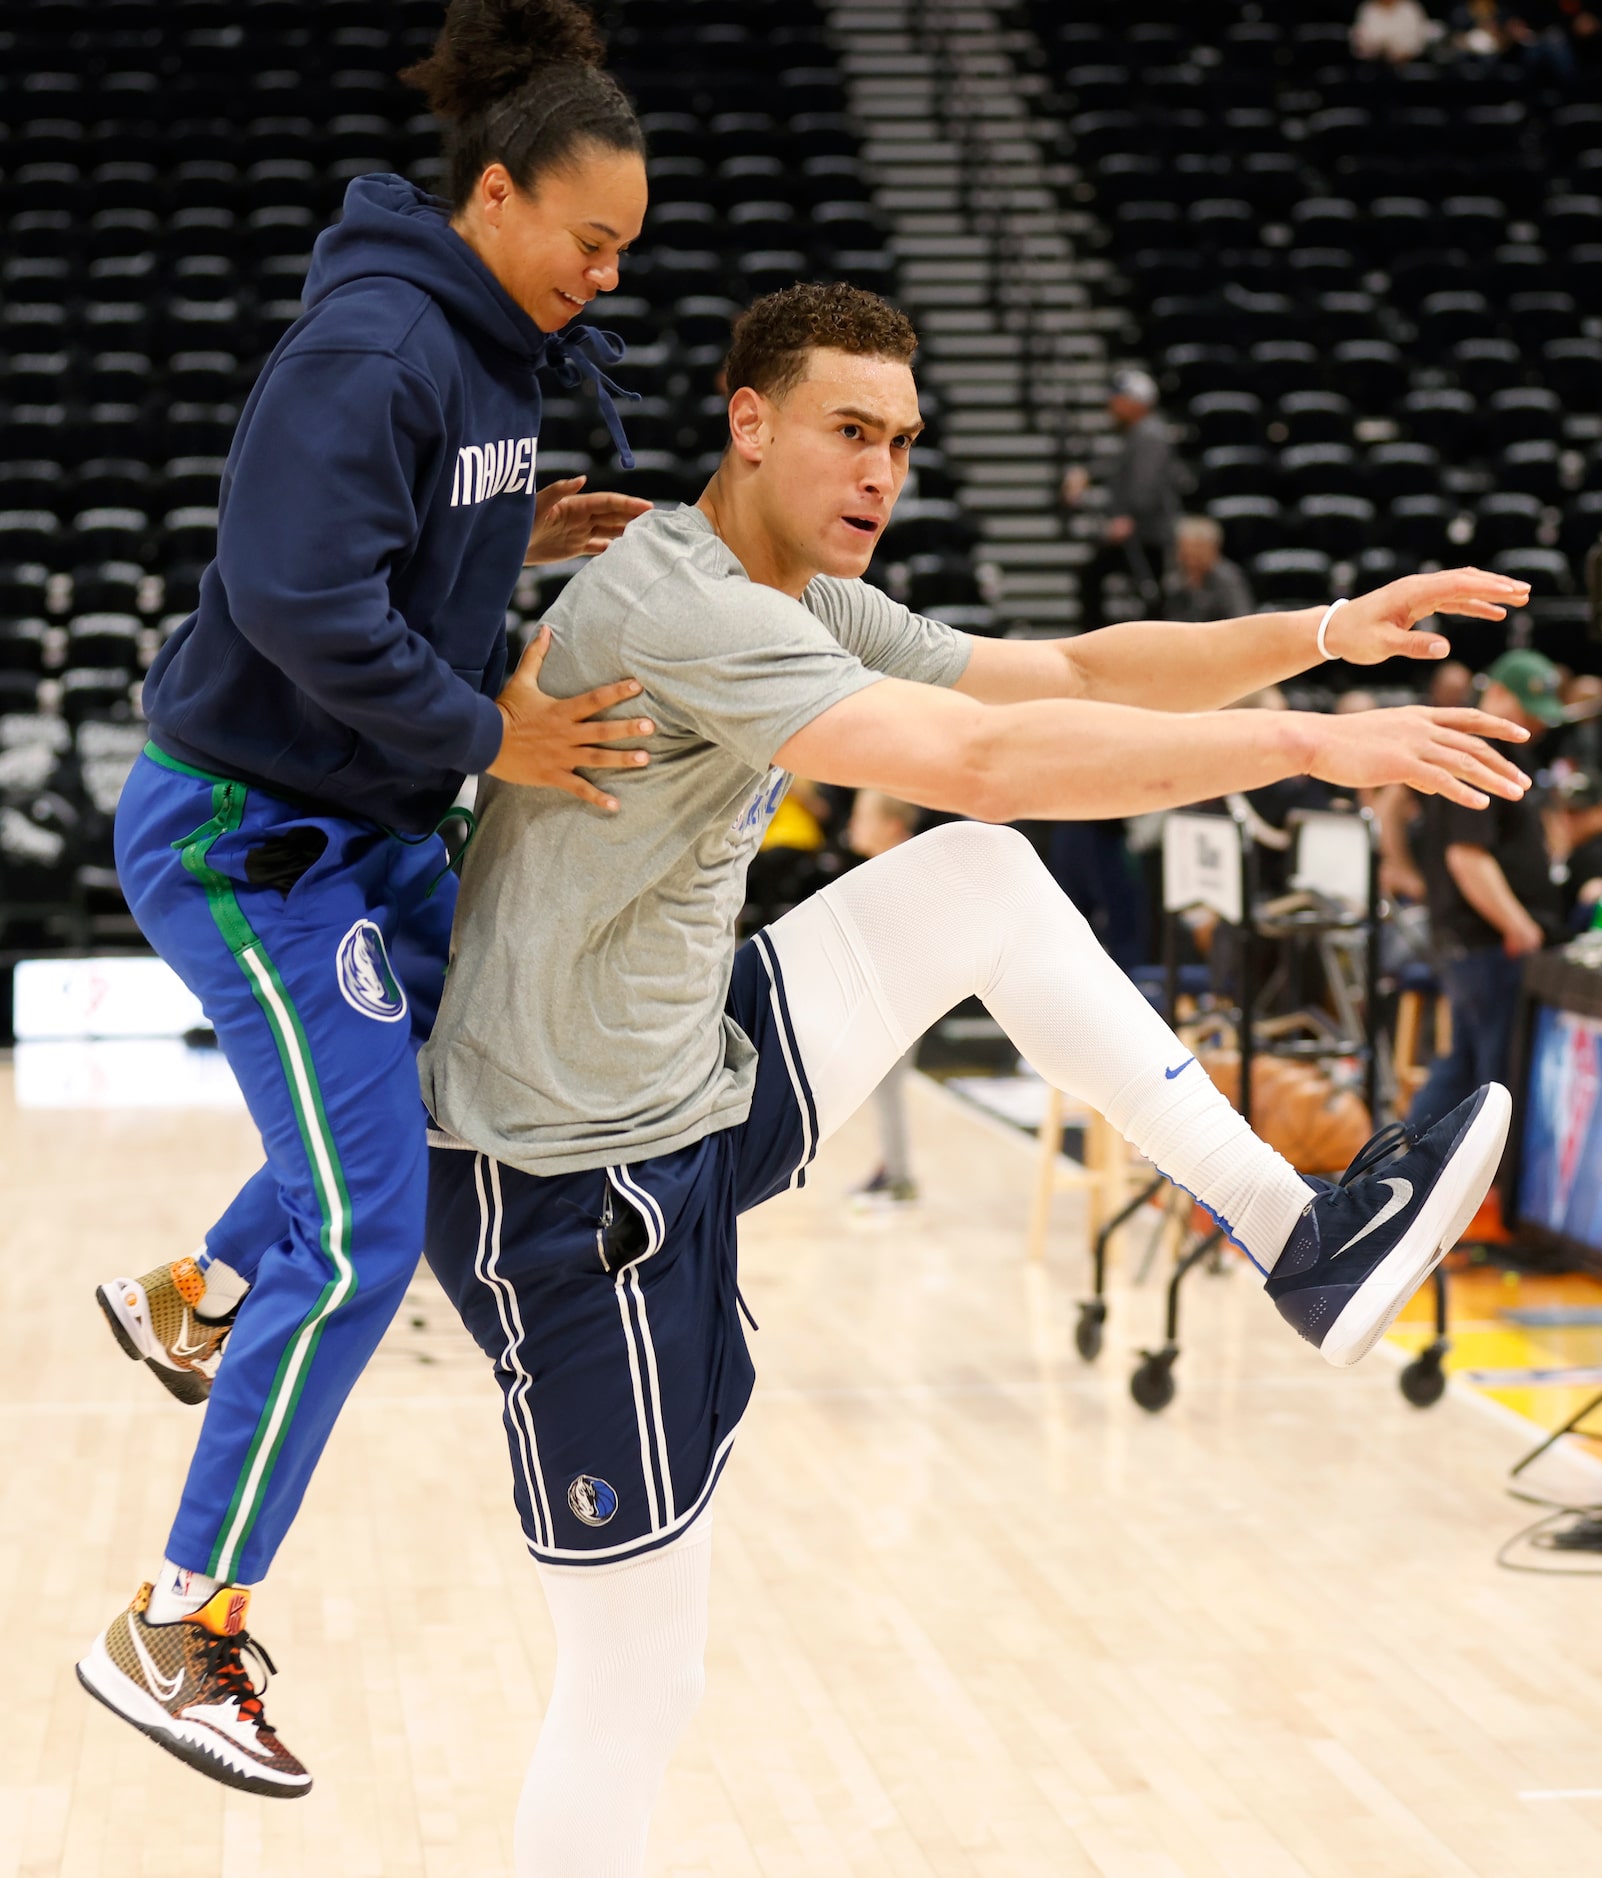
[592, 1500]
[365, 980]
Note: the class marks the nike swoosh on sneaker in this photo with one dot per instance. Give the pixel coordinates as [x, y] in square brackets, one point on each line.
[164, 1687]
[181, 1346]
[1170, 1074]
[1401, 1196]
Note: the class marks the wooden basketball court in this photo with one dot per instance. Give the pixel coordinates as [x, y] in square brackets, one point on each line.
[974, 1613]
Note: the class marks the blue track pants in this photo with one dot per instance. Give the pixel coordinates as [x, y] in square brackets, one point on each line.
[317, 946]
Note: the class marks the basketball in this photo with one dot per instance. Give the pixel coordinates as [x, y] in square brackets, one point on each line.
[1297, 1108]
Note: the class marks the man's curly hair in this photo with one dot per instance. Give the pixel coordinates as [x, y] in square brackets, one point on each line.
[773, 336]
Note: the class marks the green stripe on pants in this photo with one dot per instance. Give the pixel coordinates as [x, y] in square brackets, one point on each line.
[294, 1054]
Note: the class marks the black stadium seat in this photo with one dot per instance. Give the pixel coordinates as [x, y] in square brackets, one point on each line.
[1252, 525]
[1504, 520]
[1291, 577]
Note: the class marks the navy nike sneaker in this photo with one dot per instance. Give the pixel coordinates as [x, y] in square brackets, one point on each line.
[1365, 1243]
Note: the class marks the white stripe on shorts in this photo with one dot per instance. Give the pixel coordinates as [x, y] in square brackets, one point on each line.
[787, 1045]
[486, 1266]
[647, 1382]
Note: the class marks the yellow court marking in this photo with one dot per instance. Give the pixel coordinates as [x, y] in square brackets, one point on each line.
[1518, 1364]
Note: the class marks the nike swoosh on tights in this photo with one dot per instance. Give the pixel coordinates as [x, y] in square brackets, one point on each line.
[1401, 1196]
[1172, 1073]
[164, 1687]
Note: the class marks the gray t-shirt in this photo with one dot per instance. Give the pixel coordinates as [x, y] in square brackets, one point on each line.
[583, 1018]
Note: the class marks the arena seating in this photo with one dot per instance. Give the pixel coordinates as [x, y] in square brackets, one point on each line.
[1371, 296]
[164, 170]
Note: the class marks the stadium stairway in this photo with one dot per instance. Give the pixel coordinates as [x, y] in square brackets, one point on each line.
[948, 97]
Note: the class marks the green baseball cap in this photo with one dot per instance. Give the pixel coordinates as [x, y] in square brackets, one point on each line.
[1534, 680]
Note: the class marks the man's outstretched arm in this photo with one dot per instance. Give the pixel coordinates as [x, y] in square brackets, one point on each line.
[1162, 666]
[1078, 759]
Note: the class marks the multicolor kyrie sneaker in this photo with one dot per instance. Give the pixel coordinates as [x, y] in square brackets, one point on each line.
[155, 1320]
[1365, 1244]
[187, 1686]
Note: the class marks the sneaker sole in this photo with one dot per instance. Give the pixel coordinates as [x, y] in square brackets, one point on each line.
[189, 1388]
[1442, 1220]
[201, 1748]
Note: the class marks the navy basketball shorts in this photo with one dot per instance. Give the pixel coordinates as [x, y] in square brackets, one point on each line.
[608, 1303]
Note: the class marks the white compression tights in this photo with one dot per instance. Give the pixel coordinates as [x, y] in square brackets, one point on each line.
[630, 1644]
[869, 964]
[968, 910]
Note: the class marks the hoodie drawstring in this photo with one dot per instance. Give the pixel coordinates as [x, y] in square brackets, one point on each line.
[580, 354]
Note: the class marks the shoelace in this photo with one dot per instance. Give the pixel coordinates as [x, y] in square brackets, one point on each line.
[580, 354]
[225, 1660]
[1394, 1138]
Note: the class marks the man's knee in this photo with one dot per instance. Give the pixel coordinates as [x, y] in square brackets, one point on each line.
[985, 851]
[999, 868]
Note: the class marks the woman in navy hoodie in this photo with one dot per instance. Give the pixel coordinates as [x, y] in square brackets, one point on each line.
[311, 724]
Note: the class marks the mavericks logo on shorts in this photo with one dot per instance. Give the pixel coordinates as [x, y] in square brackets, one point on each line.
[365, 981]
[592, 1500]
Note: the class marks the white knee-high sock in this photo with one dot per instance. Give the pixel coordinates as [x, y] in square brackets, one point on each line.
[877, 957]
[630, 1650]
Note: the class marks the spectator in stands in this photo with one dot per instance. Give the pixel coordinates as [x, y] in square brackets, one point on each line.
[1203, 584]
[878, 824]
[1095, 867]
[1577, 844]
[1578, 745]
[1397, 30]
[1492, 898]
[1143, 494]
[1451, 685]
[1543, 36]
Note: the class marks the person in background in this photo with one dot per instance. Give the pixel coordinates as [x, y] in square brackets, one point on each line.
[1143, 496]
[1578, 745]
[1092, 863]
[878, 824]
[795, 858]
[1575, 830]
[1492, 898]
[1203, 585]
[1451, 685]
[1396, 30]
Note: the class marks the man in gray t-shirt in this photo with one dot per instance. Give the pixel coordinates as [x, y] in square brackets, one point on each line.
[598, 1033]
[613, 1082]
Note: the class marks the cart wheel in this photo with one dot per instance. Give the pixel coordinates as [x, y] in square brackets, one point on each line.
[1088, 1331]
[1423, 1382]
[1152, 1384]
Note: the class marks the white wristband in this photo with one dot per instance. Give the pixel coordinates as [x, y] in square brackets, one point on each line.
[1323, 627]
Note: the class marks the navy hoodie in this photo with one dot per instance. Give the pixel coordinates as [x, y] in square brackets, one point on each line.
[374, 512]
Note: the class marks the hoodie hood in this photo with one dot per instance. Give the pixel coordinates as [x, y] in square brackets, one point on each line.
[391, 227]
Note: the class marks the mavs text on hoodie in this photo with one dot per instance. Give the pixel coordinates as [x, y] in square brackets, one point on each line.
[374, 512]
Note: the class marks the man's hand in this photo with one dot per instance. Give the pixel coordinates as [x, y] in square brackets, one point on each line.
[1119, 529]
[1522, 937]
[547, 740]
[1438, 753]
[566, 523]
[1075, 483]
[1378, 625]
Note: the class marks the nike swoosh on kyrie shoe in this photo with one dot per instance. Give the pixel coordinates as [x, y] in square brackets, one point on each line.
[163, 1687]
[1170, 1074]
[1401, 1195]
[181, 1345]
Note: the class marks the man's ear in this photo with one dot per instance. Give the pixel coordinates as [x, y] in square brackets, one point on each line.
[748, 424]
